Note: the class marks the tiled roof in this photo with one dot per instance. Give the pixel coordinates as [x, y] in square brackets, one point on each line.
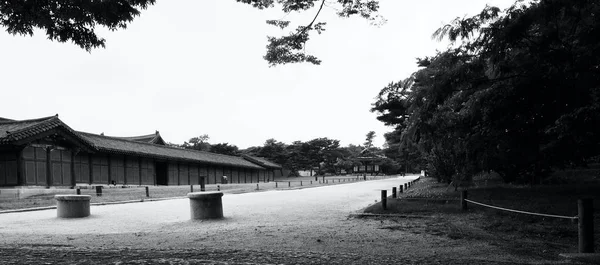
[154, 138]
[261, 161]
[122, 146]
[13, 131]
[18, 129]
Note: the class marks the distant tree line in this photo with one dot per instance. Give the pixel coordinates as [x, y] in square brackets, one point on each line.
[519, 96]
[323, 155]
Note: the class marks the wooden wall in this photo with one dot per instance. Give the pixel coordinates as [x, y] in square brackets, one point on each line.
[61, 167]
[99, 169]
[203, 172]
[36, 166]
[117, 169]
[8, 169]
[132, 171]
[184, 175]
[194, 174]
[147, 171]
[212, 175]
[82, 168]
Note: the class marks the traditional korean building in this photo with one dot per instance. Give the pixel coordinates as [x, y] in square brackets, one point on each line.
[370, 163]
[46, 152]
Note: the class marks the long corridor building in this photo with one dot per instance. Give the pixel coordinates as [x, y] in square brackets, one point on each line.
[46, 152]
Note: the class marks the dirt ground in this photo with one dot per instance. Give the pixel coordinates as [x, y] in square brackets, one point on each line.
[322, 237]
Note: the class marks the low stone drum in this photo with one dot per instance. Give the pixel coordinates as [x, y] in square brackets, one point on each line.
[206, 205]
[72, 206]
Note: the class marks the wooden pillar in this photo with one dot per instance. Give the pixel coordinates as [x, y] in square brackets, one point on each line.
[215, 170]
[178, 177]
[109, 170]
[140, 170]
[586, 225]
[48, 168]
[153, 161]
[72, 168]
[21, 166]
[198, 170]
[384, 199]
[125, 170]
[91, 168]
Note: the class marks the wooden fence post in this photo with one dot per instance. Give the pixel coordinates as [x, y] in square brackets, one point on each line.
[401, 188]
[384, 199]
[147, 191]
[586, 225]
[463, 197]
[394, 192]
[191, 188]
[405, 186]
[98, 190]
[202, 185]
[275, 184]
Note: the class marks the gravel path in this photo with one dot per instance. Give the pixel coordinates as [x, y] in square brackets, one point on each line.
[272, 227]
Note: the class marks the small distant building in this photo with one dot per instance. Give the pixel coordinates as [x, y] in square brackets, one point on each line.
[46, 152]
[370, 163]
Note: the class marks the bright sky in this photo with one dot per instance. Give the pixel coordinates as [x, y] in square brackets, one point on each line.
[187, 68]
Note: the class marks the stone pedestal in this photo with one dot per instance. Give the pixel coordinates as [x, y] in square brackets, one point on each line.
[206, 205]
[72, 206]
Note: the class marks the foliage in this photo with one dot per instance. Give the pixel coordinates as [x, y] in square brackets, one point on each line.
[74, 21]
[199, 143]
[224, 148]
[519, 96]
[407, 155]
[290, 48]
[323, 154]
[369, 140]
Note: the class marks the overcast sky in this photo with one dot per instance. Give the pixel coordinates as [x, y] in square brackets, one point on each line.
[187, 68]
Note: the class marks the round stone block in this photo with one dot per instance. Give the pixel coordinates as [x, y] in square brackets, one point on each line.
[206, 205]
[72, 206]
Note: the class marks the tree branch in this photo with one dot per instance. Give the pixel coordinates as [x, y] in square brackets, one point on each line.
[314, 19]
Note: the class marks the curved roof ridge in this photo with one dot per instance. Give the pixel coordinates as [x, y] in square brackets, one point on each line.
[28, 127]
[6, 120]
[137, 136]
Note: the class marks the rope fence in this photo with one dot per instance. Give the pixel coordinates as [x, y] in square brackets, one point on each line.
[585, 219]
[523, 212]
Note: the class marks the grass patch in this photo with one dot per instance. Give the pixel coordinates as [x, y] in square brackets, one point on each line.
[514, 231]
